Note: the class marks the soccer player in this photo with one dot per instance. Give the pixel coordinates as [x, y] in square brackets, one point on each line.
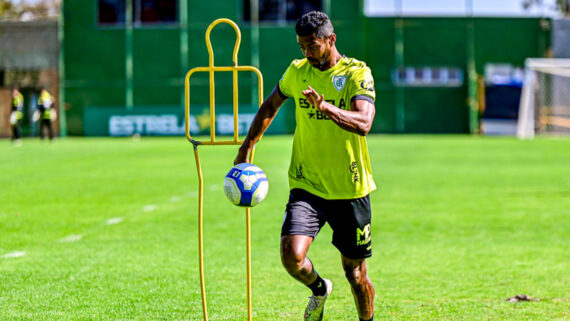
[45, 113]
[330, 175]
[16, 117]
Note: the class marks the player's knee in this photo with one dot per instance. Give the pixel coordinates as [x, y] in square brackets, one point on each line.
[293, 253]
[291, 260]
[354, 275]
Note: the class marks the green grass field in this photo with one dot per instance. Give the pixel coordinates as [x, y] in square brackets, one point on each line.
[106, 229]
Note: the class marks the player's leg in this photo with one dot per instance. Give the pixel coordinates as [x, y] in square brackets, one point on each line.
[294, 258]
[294, 250]
[362, 288]
[14, 132]
[350, 221]
[18, 130]
[42, 125]
[50, 129]
[17, 134]
[301, 224]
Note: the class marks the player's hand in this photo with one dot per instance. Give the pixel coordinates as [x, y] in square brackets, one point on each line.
[314, 98]
[36, 116]
[14, 118]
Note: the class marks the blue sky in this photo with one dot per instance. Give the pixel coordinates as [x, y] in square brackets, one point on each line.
[453, 7]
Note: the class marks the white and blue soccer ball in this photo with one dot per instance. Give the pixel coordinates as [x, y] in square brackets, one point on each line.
[246, 185]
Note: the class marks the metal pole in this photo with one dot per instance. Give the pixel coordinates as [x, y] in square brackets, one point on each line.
[211, 69]
[183, 16]
[469, 7]
[129, 98]
[472, 79]
[362, 36]
[399, 55]
[399, 5]
[254, 14]
[201, 231]
[327, 6]
[61, 102]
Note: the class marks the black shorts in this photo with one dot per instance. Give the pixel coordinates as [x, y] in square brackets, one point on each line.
[349, 219]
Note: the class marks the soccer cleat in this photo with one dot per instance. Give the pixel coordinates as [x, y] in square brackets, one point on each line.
[316, 307]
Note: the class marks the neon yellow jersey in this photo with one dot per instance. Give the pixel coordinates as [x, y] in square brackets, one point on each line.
[18, 102]
[46, 103]
[327, 160]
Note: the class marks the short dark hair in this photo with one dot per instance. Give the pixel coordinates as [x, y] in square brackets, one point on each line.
[316, 22]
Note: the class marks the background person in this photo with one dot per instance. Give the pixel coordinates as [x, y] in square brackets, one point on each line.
[45, 114]
[16, 116]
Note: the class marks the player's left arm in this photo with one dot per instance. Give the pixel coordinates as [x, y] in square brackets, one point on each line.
[356, 120]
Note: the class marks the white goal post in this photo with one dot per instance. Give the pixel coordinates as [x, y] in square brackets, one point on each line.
[545, 99]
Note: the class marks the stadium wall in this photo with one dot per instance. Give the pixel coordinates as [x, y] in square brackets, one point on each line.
[441, 42]
[95, 62]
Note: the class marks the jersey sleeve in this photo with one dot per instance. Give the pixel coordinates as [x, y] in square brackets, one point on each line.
[362, 85]
[286, 82]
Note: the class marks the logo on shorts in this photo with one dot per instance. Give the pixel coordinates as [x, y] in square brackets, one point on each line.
[363, 236]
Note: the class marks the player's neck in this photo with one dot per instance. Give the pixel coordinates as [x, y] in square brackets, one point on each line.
[335, 58]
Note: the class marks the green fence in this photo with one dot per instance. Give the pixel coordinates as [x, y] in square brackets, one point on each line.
[95, 64]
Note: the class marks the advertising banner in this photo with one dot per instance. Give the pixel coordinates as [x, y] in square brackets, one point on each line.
[164, 121]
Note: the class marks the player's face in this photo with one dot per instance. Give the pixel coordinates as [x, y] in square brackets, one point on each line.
[316, 50]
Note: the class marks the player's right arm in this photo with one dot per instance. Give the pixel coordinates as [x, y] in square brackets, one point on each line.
[261, 122]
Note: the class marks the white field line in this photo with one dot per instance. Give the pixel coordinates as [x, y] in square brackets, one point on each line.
[111, 221]
[71, 238]
[214, 187]
[114, 220]
[13, 255]
[191, 194]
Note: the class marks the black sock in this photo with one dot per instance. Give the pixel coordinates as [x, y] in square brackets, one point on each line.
[318, 287]
[371, 319]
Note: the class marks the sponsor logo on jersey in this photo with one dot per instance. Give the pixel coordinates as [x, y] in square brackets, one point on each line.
[338, 82]
[300, 172]
[367, 85]
[353, 169]
[318, 115]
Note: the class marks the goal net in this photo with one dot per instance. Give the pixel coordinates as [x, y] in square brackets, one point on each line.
[545, 98]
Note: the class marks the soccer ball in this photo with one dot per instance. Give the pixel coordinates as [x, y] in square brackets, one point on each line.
[246, 185]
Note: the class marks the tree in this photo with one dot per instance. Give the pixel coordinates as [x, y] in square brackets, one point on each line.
[563, 6]
[7, 10]
[24, 10]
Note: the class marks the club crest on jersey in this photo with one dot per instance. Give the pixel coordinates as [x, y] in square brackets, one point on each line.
[338, 82]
